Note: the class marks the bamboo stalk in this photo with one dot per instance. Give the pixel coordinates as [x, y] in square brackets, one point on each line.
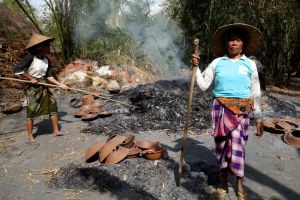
[74, 89]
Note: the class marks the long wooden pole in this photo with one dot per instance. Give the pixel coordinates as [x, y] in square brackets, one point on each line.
[187, 114]
[74, 89]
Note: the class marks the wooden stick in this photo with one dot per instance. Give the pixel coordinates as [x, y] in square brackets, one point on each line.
[57, 86]
[187, 115]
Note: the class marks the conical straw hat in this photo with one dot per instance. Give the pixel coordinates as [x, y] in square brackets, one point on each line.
[37, 39]
[253, 39]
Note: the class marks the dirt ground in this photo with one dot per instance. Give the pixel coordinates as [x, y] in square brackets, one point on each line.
[37, 171]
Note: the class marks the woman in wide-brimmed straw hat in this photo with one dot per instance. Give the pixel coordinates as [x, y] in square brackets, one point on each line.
[35, 67]
[236, 94]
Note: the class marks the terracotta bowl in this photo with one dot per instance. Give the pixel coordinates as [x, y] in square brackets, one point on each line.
[89, 116]
[110, 146]
[146, 144]
[98, 109]
[80, 113]
[98, 103]
[128, 142]
[117, 156]
[293, 138]
[153, 154]
[91, 154]
[87, 99]
[134, 152]
[75, 103]
[105, 114]
[96, 94]
[270, 126]
[87, 107]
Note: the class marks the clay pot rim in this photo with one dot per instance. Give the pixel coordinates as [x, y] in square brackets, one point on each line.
[72, 103]
[137, 151]
[88, 107]
[98, 104]
[148, 142]
[152, 151]
[110, 146]
[157, 154]
[89, 116]
[292, 140]
[88, 98]
[119, 154]
[105, 113]
[93, 149]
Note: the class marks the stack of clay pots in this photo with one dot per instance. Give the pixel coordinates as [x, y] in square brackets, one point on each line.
[89, 108]
[288, 126]
[120, 147]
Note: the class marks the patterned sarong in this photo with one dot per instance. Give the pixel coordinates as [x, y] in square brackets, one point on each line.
[40, 102]
[230, 134]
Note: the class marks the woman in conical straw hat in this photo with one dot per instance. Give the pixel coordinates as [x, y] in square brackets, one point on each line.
[236, 91]
[35, 67]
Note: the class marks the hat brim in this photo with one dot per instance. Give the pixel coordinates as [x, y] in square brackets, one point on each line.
[37, 39]
[218, 40]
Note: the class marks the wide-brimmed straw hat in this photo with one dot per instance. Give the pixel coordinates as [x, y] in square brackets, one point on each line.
[37, 39]
[252, 43]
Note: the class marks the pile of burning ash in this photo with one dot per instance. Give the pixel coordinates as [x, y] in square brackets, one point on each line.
[162, 106]
[159, 106]
[144, 179]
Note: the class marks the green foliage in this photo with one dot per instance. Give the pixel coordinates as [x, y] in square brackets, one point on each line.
[112, 41]
[278, 20]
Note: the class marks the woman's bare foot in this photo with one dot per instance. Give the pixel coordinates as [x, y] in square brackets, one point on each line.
[60, 133]
[31, 140]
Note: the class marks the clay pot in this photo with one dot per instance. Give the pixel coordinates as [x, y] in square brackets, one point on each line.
[134, 152]
[98, 110]
[270, 126]
[13, 108]
[98, 103]
[91, 153]
[96, 94]
[105, 114]
[146, 144]
[110, 146]
[87, 99]
[75, 103]
[89, 116]
[87, 107]
[293, 138]
[128, 142]
[153, 154]
[80, 113]
[285, 125]
[116, 156]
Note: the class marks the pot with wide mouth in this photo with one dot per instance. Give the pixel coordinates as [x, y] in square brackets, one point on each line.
[134, 152]
[117, 155]
[80, 113]
[91, 153]
[293, 138]
[98, 103]
[128, 142]
[146, 144]
[89, 116]
[87, 99]
[87, 107]
[75, 103]
[153, 154]
[105, 114]
[110, 146]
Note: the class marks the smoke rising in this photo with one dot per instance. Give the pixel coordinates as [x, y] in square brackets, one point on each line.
[160, 41]
[154, 37]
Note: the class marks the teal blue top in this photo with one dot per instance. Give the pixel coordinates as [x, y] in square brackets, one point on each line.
[233, 78]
